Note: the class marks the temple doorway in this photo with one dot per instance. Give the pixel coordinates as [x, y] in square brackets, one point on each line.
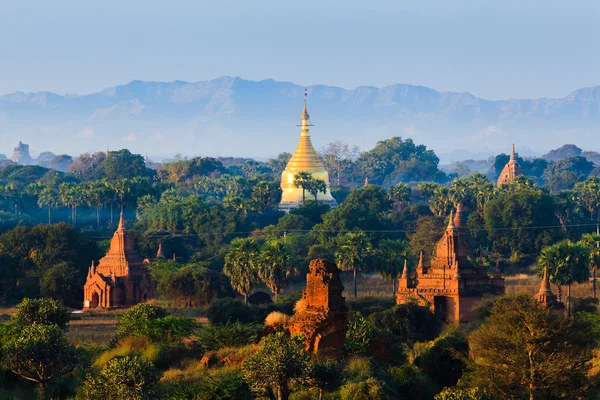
[95, 300]
[440, 307]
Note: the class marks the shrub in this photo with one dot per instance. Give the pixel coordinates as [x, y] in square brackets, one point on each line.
[41, 311]
[465, 394]
[277, 320]
[359, 369]
[222, 311]
[232, 334]
[444, 362]
[145, 320]
[127, 377]
[408, 322]
[411, 383]
[368, 390]
[359, 335]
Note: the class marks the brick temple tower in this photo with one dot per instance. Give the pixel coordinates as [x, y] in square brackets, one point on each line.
[511, 170]
[321, 315]
[451, 285]
[120, 279]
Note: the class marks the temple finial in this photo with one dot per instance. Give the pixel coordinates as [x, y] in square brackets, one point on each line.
[405, 270]
[121, 224]
[512, 154]
[451, 221]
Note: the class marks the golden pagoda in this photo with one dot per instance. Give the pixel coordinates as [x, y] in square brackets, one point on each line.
[305, 159]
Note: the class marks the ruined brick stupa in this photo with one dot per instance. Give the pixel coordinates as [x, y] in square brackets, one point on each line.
[321, 315]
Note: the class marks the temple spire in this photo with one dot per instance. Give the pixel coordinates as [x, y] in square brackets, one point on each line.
[512, 154]
[545, 288]
[305, 117]
[451, 221]
[405, 271]
[121, 227]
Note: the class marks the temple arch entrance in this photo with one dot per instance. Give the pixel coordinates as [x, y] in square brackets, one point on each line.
[95, 300]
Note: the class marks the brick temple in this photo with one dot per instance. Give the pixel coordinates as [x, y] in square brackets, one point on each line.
[451, 285]
[511, 170]
[321, 315]
[120, 279]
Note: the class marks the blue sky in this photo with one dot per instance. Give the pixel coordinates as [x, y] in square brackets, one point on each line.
[493, 49]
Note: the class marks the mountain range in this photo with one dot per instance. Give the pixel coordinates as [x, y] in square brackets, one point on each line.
[231, 116]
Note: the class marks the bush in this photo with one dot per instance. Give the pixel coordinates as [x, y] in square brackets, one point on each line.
[201, 384]
[411, 383]
[145, 320]
[408, 322]
[368, 390]
[444, 362]
[41, 311]
[222, 311]
[359, 335]
[232, 334]
[131, 378]
[465, 394]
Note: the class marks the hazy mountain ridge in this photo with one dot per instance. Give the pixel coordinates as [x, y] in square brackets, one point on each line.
[204, 117]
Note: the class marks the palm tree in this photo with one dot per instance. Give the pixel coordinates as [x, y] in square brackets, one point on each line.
[48, 198]
[354, 249]
[303, 180]
[400, 194]
[316, 186]
[241, 265]
[392, 253]
[566, 263]
[95, 194]
[592, 242]
[276, 266]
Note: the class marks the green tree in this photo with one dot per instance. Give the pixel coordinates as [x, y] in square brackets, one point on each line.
[123, 164]
[395, 160]
[123, 377]
[515, 208]
[399, 194]
[353, 251]
[40, 353]
[316, 186]
[591, 241]
[564, 174]
[279, 360]
[154, 323]
[303, 180]
[41, 312]
[359, 335]
[59, 282]
[276, 266]
[365, 209]
[522, 351]
[587, 194]
[392, 254]
[241, 265]
[566, 263]
[327, 374]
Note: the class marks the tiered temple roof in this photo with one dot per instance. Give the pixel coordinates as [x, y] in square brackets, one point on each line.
[120, 278]
[451, 285]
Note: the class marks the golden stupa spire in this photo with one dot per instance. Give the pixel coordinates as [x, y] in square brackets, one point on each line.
[305, 159]
[305, 117]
